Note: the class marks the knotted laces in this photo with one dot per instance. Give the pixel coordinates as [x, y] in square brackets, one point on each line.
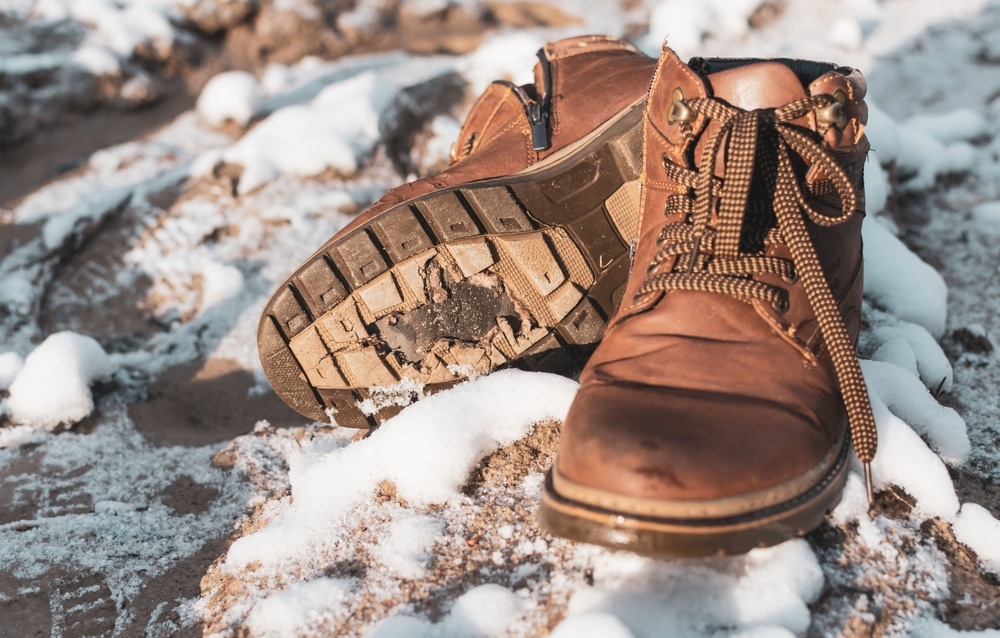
[761, 203]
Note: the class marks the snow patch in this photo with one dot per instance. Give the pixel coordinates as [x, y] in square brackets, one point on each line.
[953, 126]
[934, 628]
[484, 611]
[401, 394]
[427, 451]
[883, 135]
[912, 402]
[406, 545]
[401, 627]
[298, 608]
[901, 282]
[220, 283]
[98, 60]
[686, 23]
[766, 588]
[846, 34]
[591, 625]
[903, 458]
[53, 386]
[929, 361]
[877, 187]
[975, 527]
[336, 131]
[231, 96]
[507, 56]
[987, 217]
[10, 364]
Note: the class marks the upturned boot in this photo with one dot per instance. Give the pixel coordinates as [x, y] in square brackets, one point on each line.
[518, 252]
[717, 413]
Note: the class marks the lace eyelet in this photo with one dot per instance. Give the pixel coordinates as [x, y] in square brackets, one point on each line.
[791, 279]
[833, 114]
[781, 306]
[679, 111]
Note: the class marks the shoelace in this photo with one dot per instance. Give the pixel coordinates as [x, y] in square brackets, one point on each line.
[723, 259]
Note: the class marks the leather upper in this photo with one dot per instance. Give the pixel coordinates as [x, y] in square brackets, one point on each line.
[593, 78]
[700, 395]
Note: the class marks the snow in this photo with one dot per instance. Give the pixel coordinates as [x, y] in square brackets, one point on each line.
[592, 625]
[10, 365]
[877, 186]
[916, 350]
[505, 56]
[400, 627]
[72, 362]
[976, 528]
[987, 217]
[336, 131]
[901, 282]
[766, 590]
[29, 63]
[126, 26]
[313, 159]
[922, 159]
[846, 34]
[297, 609]
[97, 60]
[231, 96]
[897, 351]
[483, 611]
[953, 126]
[685, 24]
[904, 459]
[220, 283]
[407, 544]
[89, 511]
[925, 146]
[934, 628]
[427, 452]
[682, 24]
[883, 135]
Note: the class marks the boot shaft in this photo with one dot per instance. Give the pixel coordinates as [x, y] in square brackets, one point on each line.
[677, 135]
[592, 78]
[577, 81]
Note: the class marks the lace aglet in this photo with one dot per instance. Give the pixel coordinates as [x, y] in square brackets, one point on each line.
[868, 484]
[694, 253]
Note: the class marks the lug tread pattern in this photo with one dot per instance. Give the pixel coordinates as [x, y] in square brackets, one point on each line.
[320, 346]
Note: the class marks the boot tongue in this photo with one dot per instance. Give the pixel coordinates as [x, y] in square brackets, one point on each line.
[760, 85]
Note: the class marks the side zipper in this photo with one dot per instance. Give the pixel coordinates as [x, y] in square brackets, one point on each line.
[538, 113]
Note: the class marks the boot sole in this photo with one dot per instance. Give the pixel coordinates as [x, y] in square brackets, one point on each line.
[694, 536]
[524, 269]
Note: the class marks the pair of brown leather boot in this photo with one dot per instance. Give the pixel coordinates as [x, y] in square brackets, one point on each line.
[700, 222]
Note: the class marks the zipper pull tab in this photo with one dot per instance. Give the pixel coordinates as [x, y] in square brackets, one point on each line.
[538, 120]
[539, 112]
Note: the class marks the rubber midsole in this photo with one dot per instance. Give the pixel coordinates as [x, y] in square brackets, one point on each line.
[695, 535]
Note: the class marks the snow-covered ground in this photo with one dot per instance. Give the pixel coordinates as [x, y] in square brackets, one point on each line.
[152, 484]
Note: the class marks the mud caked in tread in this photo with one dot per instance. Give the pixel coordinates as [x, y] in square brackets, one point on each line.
[520, 270]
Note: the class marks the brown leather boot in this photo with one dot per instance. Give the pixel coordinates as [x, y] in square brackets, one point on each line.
[711, 419]
[516, 252]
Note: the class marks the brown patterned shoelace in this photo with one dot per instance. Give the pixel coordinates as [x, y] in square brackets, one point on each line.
[761, 203]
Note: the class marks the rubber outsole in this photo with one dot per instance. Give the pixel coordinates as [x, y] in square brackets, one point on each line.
[521, 270]
[694, 536]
